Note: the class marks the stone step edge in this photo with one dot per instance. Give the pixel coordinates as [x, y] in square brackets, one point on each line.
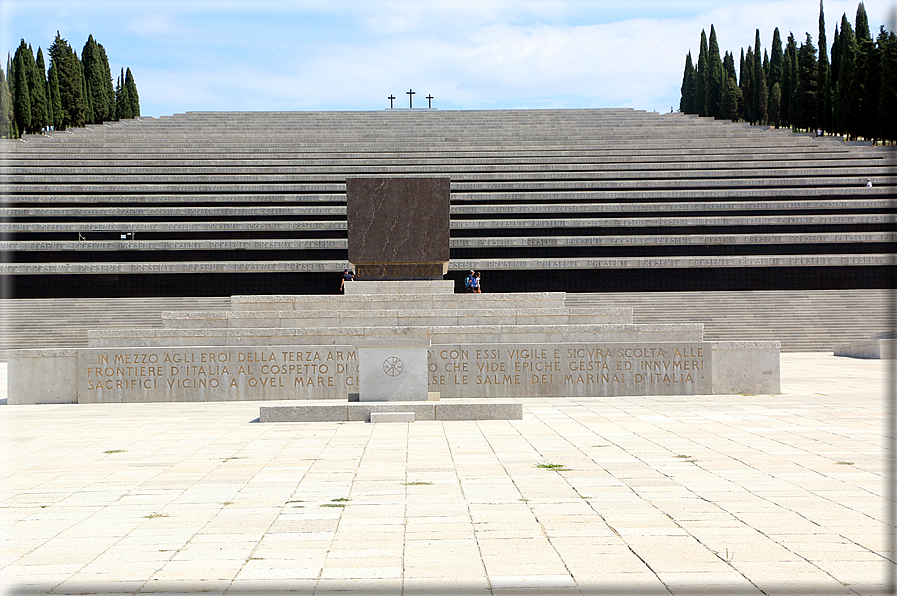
[327, 411]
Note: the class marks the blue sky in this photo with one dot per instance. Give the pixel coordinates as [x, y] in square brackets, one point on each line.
[352, 54]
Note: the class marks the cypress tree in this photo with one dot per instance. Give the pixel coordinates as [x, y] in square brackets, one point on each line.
[71, 87]
[88, 107]
[95, 91]
[869, 125]
[10, 74]
[887, 98]
[715, 79]
[775, 105]
[38, 95]
[747, 84]
[53, 86]
[122, 101]
[731, 104]
[7, 117]
[763, 104]
[132, 94]
[791, 49]
[98, 80]
[757, 78]
[21, 96]
[48, 103]
[107, 83]
[701, 78]
[836, 57]
[864, 86]
[823, 99]
[729, 67]
[862, 28]
[775, 60]
[805, 110]
[687, 97]
[845, 105]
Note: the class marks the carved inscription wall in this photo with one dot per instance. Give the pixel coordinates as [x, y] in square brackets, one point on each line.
[574, 369]
[331, 372]
[216, 374]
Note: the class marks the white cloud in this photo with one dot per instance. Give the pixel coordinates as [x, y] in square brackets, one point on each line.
[351, 54]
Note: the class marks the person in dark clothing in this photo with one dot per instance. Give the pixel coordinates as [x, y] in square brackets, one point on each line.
[347, 276]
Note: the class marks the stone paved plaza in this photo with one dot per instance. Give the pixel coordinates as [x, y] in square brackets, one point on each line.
[724, 494]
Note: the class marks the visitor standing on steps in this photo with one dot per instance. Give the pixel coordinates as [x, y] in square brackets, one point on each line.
[347, 276]
[476, 283]
[468, 282]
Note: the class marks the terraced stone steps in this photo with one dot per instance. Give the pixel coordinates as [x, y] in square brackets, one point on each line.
[531, 191]
[64, 322]
[803, 321]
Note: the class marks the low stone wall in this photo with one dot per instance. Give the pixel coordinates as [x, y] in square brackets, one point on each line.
[877, 349]
[330, 372]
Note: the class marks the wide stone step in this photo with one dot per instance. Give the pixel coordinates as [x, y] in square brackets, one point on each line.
[396, 317]
[379, 302]
[457, 334]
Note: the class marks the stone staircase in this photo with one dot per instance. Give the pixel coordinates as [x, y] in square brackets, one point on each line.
[563, 200]
[803, 321]
[64, 322]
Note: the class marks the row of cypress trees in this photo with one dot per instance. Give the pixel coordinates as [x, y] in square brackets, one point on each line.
[854, 94]
[72, 92]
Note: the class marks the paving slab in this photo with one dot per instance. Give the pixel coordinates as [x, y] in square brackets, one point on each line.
[708, 494]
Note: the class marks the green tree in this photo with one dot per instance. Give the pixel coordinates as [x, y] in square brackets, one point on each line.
[21, 96]
[7, 116]
[715, 79]
[701, 78]
[88, 100]
[122, 100]
[775, 105]
[687, 91]
[71, 86]
[48, 103]
[805, 108]
[862, 29]
[132, 93]
[758, 76]
[729, 66]
[731, 104]
[887, 98]
[775, 73]
[844, 117]
[95, 91]
[864, 83]
[746, 80]
[53, 87]
[98, 80]
[823, 82]
[107, 83]
[789, 88]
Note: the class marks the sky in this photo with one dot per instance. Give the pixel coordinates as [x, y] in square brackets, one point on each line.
[233, 55]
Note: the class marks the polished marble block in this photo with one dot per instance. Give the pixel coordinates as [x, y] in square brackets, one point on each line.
[398, 228]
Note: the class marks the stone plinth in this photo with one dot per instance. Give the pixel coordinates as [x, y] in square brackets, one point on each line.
[398, 227]
[332, 372]
[426, 411]
[391, 369]
[405, 288]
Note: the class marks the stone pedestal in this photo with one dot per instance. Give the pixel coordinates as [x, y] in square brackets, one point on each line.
[398, 227]
[393, 370]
